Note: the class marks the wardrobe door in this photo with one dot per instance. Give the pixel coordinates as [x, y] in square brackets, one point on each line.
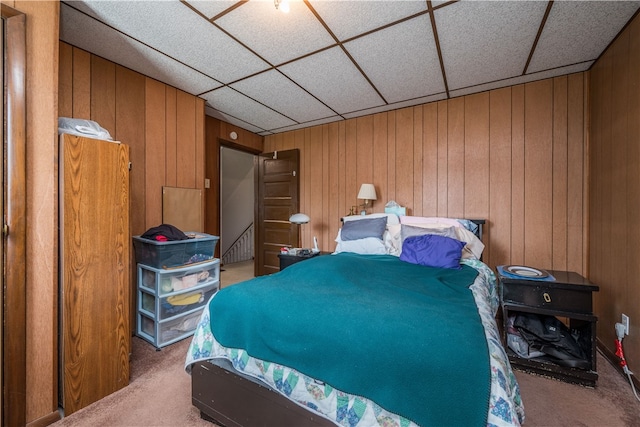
[95, 270]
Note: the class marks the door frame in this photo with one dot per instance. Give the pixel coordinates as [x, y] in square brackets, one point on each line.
[14, 347]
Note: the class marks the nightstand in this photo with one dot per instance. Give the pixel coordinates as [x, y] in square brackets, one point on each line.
[569, 298]
[286, 260]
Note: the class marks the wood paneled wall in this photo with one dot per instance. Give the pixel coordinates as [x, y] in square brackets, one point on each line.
[163, 126]
[615, 189]
[514, 156]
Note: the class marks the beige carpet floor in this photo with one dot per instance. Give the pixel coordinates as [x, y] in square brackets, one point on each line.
[159, 393]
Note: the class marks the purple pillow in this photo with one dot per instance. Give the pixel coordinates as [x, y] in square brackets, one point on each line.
[433, 251]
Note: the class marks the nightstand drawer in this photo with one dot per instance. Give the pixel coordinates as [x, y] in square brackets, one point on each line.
[549, 296]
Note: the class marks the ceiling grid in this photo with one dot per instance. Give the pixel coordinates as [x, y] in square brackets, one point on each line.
[329, 60]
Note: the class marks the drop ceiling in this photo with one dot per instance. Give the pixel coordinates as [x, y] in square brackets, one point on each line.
[268, 71]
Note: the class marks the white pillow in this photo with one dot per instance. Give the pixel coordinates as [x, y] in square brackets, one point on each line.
[366, 246]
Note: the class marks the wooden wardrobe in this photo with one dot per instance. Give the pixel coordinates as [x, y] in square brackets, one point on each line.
[95, 272]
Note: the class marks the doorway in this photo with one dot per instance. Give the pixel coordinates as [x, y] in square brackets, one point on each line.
[236, 206]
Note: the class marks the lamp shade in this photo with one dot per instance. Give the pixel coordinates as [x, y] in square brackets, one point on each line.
[299, 218]
[367, 192]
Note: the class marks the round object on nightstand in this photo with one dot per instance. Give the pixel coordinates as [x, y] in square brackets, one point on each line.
[233, 136]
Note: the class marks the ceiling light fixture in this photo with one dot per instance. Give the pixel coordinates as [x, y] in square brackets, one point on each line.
[282, 5]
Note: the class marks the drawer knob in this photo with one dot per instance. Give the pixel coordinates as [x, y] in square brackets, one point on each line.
[547, 297]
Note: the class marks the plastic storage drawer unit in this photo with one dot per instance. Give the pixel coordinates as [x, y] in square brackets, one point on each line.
[171, 301]
[175, 253]
[178, 280]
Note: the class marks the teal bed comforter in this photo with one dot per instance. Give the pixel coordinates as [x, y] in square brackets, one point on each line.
[372, 326]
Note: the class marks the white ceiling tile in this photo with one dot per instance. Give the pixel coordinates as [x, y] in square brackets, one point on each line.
[276, 36]
[484, 41]
[401, 61]
[331, 77]
[278, 92]
[575, 32]
[235, 104]
[116, 47]
[351, 18]
[211, 8]
[178, 31]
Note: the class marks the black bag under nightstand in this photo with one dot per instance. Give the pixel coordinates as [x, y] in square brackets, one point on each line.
[566, 295]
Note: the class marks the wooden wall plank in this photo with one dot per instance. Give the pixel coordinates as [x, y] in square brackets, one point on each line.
[517, 175]
[617, 170]
[380, 170]
[417, 183]
[476, 155]
[364, 157]
[559, 174]
[391, 156]
[443, 159]
[323, 233]
[537, 172]
[81, 84]
[430, 160]
[499, 228]
[314, 155]
[186, 140]
[404, 158]
[344, 206]
[171, 137]
[335, 213]
[455, 158]
[351, 152]
[154, 151]
[199, 129]
[130, 130]
[65, 81]
[103, 93]
[576, 175]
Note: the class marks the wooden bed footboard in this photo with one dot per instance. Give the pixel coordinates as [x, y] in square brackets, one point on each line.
[228, 399]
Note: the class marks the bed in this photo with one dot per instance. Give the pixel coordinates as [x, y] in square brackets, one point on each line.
[396, 328]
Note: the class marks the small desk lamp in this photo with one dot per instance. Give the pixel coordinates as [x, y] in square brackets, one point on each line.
[367, 192]
[300, 218]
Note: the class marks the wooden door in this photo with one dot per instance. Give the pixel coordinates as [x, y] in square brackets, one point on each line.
[277, 188]
[95, 269]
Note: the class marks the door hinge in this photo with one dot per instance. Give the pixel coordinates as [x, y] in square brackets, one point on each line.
[275, 155]
[5, 230]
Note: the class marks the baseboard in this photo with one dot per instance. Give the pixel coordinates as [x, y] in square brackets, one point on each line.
[615, 361]
[46, 420]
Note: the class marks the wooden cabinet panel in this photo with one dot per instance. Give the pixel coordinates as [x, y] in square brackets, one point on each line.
[95, 269]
